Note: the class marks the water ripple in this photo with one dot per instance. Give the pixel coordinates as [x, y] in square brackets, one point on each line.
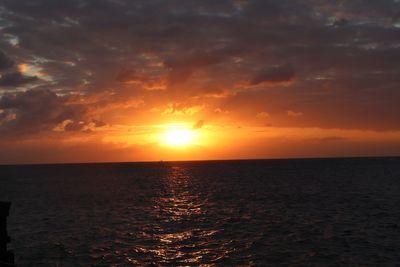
[254, 213]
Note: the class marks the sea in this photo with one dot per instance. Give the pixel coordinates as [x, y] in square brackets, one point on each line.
[295, 212]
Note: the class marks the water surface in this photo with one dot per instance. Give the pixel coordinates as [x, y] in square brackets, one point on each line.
[220, 213]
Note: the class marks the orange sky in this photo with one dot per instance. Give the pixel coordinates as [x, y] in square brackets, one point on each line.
[90, 81]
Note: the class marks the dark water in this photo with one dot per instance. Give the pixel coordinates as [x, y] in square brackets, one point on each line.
[264, 213]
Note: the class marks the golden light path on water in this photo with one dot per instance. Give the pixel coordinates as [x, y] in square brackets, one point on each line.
[179, 239]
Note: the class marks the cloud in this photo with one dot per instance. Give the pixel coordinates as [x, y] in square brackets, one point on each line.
[292, 113]
[262, 115]
[107, 65]
[182, 67]
[283, 73]
[37, 111]
[15, 79]
[199, 124]
[329, 139]
[127, 76]
[5, 62]
[181, 109]
[171, 56]
[141, 79]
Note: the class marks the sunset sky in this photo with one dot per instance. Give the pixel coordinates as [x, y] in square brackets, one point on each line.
[122, 80]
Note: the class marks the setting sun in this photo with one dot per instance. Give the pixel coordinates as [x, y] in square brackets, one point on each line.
[178, 137]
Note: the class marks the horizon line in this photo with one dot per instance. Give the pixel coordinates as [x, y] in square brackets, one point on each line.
[201, 160]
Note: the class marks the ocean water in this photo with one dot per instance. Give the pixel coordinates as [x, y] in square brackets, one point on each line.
[312, 212]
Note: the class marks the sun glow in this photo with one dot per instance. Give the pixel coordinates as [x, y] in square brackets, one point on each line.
[178, 137]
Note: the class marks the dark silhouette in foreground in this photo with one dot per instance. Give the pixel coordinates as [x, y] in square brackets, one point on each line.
[6, 257]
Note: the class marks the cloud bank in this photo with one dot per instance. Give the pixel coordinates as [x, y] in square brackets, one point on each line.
[93, 63]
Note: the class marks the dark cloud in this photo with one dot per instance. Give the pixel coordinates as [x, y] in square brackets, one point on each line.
[74, 126]
[181, 67]
[15, 79]
[5, 62]
[277, 74]
[126, 76]
[343, 54]
[36, 111]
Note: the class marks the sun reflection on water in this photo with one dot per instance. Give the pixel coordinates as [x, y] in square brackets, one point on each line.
[178, 240]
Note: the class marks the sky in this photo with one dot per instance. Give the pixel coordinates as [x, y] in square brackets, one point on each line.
[107, 80]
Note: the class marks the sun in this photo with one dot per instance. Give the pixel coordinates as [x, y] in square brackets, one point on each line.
[178, 137]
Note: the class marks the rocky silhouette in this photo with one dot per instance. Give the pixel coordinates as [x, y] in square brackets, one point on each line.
[6, 257]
